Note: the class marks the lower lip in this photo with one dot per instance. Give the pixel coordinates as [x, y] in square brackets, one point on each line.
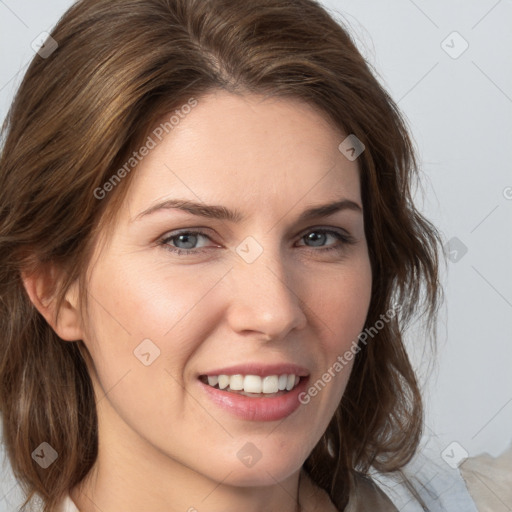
[257, 409]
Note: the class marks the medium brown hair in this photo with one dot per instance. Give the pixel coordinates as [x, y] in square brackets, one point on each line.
[78, 116]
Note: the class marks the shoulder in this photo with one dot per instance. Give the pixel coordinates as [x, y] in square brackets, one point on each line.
[489, 480]
[427, 483]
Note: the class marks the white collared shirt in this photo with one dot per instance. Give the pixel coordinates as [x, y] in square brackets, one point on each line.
[67, 505]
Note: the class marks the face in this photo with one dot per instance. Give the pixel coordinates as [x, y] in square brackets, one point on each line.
[177, 298]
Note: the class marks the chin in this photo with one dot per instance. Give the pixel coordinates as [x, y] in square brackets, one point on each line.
[261, 474]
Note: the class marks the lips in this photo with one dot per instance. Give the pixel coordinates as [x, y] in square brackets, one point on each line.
[256, 408]
[256, 392]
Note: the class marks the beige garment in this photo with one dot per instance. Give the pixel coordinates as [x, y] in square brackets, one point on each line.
[489, 481]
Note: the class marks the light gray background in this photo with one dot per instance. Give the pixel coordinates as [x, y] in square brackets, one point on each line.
[460, 113]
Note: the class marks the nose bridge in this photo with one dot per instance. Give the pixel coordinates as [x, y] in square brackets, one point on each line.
[263, 299]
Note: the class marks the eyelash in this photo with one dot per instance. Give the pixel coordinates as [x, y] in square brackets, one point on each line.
[343, 238]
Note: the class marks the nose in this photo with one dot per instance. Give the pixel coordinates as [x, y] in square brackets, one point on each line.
[262, 301]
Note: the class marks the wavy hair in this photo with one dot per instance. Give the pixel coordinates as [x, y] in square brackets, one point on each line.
[79, 114]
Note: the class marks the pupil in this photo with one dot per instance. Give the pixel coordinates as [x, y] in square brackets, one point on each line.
[315, 237]
[181, 237]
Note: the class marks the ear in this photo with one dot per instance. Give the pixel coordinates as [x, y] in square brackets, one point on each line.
[40, 287]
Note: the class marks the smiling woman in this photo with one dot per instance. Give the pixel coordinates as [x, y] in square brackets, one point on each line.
[222, 330]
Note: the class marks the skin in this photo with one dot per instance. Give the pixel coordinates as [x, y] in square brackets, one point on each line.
[163, 445]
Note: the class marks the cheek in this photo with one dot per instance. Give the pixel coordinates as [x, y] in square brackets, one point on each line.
[343, 302]
[141, 314]
[143, 332]
[151, 301]
[342, 306]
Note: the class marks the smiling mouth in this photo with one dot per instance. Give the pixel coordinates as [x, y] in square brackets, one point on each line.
[253, 386]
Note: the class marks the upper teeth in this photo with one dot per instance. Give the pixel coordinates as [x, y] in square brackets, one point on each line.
[255, 383]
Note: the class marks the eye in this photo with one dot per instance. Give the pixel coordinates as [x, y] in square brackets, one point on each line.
[188, 239]
[318, 237]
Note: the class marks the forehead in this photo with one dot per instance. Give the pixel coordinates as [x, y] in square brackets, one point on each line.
[246, 150]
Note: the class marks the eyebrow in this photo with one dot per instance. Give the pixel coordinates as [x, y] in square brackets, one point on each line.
[235, 216]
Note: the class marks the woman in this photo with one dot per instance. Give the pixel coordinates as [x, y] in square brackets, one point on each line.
[210, 252]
